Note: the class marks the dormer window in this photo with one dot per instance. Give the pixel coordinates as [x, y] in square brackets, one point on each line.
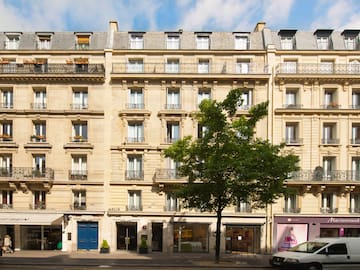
[43, 41]
[323, 39]
[12, 41]
[351, 39]
[172, 41]
[136, 41]
[241, 41]
[82, 41]
[287, 39]
[203, 41]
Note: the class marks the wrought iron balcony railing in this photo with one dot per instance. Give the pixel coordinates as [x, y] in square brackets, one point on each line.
[293, 210]
[135, 139]
[78, 206]
[27, 173]
[189, 68]
[134, 175]
[25, 68]
[318, 175]
[167, 174]
[78, 174]
[318, 68]
[328, 210]
[135, 106]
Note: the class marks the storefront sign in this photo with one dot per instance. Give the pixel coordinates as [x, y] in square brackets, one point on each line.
[343, 220]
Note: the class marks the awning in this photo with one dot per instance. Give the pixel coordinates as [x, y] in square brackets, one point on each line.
[30, 218]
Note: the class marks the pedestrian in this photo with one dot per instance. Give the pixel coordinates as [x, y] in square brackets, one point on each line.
[7, 244]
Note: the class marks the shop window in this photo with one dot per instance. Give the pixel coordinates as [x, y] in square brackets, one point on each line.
[191, 237]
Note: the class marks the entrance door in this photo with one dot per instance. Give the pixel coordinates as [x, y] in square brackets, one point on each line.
[243, 239]
[127, 236]
[88, 235]
[157, 237]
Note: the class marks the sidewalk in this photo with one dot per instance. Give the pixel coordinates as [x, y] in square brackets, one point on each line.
[94, 258]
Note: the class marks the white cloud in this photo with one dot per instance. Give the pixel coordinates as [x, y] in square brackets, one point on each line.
[277, 11]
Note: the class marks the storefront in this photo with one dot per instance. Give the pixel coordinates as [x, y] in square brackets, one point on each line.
[32, 231]
[291, 230]
[243, 238]
[191, 237]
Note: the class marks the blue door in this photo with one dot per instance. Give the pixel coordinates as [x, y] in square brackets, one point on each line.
[88, 235]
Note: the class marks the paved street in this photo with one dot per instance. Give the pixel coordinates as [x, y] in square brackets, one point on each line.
[123, 260]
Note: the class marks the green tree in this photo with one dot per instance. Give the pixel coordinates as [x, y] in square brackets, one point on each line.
[228, 164]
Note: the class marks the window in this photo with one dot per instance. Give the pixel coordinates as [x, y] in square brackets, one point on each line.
[172, 66]
[43, 42]
[39, 99]
[134, 167]
[79, 200]
[246, 97]
[6, 131]
[80, 100]
[173, 99]
[202, 42]
[330, 99]
[135, 66]
[6, 199]
[203, 66]
[326, 66]
[78, 167]
[292, 133]
[329, 167]
[7, 98]
[337, 249]
[287, 42]
[79, 132]
[355, 98]
[323, 42]
[241, 42]
[173, 42]
[329, 134]
[291, 98]
[290, 203]
[172, 132]
[134, 200]
[12, 41]
[171, 203]
[354, 66]
[136, 41]
[172, 167]
[203, 94]
[5, 165]
[243, 207]
[9, 65]
[136, 99]
[351, 41]
[39, 165]
[355, 133]
[354, 202]
[289, 66]
[135, 132]
[242, 66]
[83, 42]
[39, 199]
[39, 131]
[202, 130]
[328, 203]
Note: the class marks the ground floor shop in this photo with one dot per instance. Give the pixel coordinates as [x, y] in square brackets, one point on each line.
[291, 230]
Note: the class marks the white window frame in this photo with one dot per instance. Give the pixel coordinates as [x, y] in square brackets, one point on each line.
[241, 42]
[202, 42]
[135, 167]
[79, 165]
[44, 42]
[171, 202]
[350, 42]
[172, 131]
[172, 65]
[39, 99]
[135, 132]
[203, 94]
[242, 66]
[12, 41]
[173, 98]
[80, 129]
[287, 42]
[7, 96]
[134, 200]
[136, 41]
[136, 98]
[204, 66]
[323, 42]
[80, 99]
[172, 42]
[135, 66]
[247, 97]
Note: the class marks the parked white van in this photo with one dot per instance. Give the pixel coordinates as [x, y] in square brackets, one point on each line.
[312, 255]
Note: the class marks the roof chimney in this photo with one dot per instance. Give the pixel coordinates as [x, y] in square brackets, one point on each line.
[113, 26]
[259, 26]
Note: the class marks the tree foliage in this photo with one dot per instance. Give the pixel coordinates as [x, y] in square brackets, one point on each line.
[228, 164]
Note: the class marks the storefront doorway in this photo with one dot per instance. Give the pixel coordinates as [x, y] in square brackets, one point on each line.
[157, 237]
[127, 236]
[37, 237]
[191, 237]
[240, 238]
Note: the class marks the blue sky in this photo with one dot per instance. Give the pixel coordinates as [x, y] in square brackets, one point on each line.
[167, 15]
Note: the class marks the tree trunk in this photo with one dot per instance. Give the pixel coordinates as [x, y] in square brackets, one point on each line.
[218, 235]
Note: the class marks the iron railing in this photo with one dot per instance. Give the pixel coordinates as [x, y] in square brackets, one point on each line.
[27, 173]
[189, 68]
[51, 68]
[318, 175]
[317, 68]
[167, 174]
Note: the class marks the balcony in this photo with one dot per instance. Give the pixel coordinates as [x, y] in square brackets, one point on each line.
[330, 141]
[172, 208]
[78, 139]
[133, 208]
[6, 138]
[354, 210]
[293, 141]
[78, 106]
[135, 139]
[243, 209]
[330, 210]
[78, 206]
[38, 138]
[343, 176]
[134, 175]
[160, 68]
[38, 206]
[26, 174]
[172, 107]
[6, 206]
[318, 68]
[168, 176]
[78, 175]
[24, 71]
[38, 106]
[291, 210]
